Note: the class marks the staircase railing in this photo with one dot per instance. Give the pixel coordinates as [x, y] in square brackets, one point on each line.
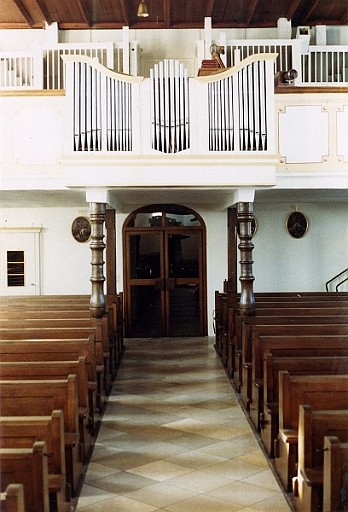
[336, 277]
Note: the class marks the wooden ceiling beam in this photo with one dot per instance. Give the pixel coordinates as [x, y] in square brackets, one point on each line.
[167, 13]
[250, 12]
[125, 12]
[209, 9]
[24, 12]
[293, 7]
[41, 5]
[309, 10]
[84, 13]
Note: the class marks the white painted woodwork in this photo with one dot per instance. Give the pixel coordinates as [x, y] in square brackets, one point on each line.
[28, 241]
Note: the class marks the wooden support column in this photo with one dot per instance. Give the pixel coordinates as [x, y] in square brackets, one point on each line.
[232, 224]
[97, 218]
[245, 216]
[110, 252]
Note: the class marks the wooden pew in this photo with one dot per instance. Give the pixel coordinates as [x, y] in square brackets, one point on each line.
[252, 356]
[314, 425]
[78, 327]
[27, 466]
[78, 304]
[49, 316]
[291, 310]
[58, 350]
[12, 499]
[321, 392]
[41, 397]
[294, 363]
[335, 486]
[23, 431]
[46, 370]
[66, 333]
[252, 393]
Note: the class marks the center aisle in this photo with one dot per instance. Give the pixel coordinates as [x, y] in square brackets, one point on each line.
[173, 437]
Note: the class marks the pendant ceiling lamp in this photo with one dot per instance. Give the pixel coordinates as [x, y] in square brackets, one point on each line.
[142, 10]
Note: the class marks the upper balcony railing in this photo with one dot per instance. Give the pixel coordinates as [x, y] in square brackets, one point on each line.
[232, 111]
[42, 68]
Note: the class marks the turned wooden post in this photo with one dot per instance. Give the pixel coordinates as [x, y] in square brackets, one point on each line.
[245, 217]
[97, 218]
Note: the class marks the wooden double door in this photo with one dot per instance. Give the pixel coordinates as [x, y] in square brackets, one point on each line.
[165, 273]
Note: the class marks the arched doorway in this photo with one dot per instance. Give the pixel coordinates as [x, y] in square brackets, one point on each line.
[165, 272]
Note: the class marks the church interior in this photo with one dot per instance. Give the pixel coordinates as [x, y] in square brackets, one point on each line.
[173, 276]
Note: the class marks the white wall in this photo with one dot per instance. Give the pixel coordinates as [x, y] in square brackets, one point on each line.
[282, 263]
[65, 264]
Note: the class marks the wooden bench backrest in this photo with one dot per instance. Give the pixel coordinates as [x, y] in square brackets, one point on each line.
[45, 370]
[314, 425]
[249, 336]
[300, 345]
[335, 474]
[272, 364]
[27, 466]
[319, 391]
[50, 350]
[41, 397]
[23, 431]
[12, 499]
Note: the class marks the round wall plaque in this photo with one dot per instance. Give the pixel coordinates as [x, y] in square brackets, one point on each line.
[297, 224]
[81, 229]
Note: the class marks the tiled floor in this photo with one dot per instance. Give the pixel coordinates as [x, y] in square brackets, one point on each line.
[174, 438]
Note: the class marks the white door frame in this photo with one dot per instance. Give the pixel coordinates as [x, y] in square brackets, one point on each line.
[16, 239]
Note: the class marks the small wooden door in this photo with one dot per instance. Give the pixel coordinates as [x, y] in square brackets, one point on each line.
[165, 273]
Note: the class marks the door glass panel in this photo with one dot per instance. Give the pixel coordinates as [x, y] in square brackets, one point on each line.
[145, 256]
[181, 217]
[146, 219]
[184, 311]
[183, 253]
[146, 311]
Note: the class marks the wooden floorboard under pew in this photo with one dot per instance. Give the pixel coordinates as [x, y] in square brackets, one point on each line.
[35, 333]
[319, 391]
[12, 499]
[23, 431]
[314, 425]
[27, 466]
[335, 485]
[251, 343]
[295, 363]
[45, 370]
[59, 350]
[41, 397]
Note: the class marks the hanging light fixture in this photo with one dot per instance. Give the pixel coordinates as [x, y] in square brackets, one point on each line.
[142, 10]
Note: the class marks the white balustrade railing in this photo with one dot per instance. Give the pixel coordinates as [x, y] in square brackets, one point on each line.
[232, 111]
[44, 68]
[54, 77]
[21, 70]
[288, 52]
[325, 65]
